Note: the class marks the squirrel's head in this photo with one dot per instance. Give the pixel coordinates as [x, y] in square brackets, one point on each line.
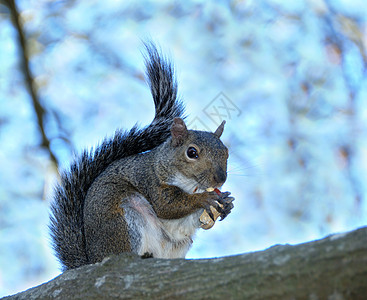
[199, 158]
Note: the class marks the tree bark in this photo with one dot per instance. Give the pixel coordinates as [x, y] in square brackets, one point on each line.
[333, 268]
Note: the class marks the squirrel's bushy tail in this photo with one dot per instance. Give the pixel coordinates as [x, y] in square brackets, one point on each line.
[66, 221]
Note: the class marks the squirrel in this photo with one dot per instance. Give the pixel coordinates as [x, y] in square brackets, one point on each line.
[143, 190]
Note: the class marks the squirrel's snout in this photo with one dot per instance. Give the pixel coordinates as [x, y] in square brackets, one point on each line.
[220, 176]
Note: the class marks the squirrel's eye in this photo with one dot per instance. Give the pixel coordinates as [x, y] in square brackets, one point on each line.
[192, 153]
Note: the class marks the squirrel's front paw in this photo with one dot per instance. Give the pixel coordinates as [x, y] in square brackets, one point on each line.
[217, 204]
[226, 203]
[213, 207]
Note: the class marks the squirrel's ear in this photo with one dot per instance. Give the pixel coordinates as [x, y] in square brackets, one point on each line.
[219, 130]
[178, 131]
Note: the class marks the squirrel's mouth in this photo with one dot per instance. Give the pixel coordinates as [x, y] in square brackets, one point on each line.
[196, 190]
[200, 190]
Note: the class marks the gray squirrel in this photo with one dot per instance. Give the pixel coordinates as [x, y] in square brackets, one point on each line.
[143, 190]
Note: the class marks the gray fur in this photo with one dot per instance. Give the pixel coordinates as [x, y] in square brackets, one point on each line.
[66, 220]
[140, 192]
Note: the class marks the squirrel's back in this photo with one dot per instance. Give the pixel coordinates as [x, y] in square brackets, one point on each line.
[66, 222]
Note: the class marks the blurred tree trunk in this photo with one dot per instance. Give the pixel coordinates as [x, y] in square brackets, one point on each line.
[332, 268]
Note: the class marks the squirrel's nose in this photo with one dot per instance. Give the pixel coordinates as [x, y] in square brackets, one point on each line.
[220, 175]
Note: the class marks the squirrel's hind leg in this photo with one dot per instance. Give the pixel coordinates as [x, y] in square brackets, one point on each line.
[105, 227]
[107, 238]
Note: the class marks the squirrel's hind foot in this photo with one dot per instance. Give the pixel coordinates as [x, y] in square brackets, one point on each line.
[147, 255]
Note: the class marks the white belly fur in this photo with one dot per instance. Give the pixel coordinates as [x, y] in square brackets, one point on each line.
[161, 237]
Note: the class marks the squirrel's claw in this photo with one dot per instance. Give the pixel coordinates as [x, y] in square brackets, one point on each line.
[226, 210]
[215, 204]
[221, 202]
[227, 204]
[210, 214]
[224, 194]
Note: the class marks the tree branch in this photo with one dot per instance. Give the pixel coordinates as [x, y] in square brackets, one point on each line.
[29, 81]
[331, 268]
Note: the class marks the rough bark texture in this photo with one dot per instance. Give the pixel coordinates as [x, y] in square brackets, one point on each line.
[333, 268]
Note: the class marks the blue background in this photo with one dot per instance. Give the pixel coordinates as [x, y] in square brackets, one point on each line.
[288, 76]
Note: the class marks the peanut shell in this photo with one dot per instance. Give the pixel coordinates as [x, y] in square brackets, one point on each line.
[206, 221]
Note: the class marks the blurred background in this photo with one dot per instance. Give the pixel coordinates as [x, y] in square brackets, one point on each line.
[288, 76]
